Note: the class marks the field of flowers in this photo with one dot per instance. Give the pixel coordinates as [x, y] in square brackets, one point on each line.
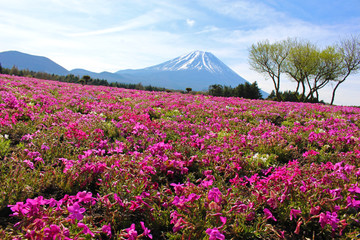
[87, 162]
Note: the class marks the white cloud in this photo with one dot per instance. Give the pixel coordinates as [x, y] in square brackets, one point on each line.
[190, 22]
[147, 19]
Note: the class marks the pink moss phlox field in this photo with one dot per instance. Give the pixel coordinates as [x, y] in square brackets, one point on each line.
[95, 162]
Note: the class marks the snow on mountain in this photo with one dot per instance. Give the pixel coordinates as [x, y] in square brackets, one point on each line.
[196, 60]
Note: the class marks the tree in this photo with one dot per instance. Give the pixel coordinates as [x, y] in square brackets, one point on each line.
[227, 91]
[14, 71]
[301, 64]
[188, 90]
[329, 68]
[255, 91]
[350, 51]
[269, 59]
[216, 90]
[1, 69]
[86, 78]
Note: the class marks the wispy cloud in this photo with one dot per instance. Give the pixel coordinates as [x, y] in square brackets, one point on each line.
[190, 22]
[144, 20]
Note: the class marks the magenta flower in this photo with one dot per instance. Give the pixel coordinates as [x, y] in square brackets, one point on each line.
[76, 211]
[86, 229]
[118, 200]
[51, 232]
[215, 195]
[329, 218]
[106, 229]
[178, 187]
[19, 207]
[223, 221]
[29, 163]
[85, 197]
[352, 202]
[207, 183]
[214, 234]
[354, 189]
[269, 215]
[146, 230]
[132, 233]
[294, 213]
[44, 147]
[310, 153]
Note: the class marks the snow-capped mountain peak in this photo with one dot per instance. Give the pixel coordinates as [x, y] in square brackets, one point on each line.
[196, 60]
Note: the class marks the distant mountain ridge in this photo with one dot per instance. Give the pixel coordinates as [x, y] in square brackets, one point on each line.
[21, 60]
[197, 70]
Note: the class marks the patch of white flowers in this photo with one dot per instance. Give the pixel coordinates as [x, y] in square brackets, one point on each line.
[261, 157]
[100, 115]
[6, 136]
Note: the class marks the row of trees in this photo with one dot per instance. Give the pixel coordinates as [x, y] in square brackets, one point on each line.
[305, 63]
[71, 78]
[246, 90]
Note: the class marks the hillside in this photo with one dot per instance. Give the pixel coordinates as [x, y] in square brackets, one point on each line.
[35, 63]
[98, 162]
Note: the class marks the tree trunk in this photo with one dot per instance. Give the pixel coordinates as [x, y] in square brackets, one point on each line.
[333, 93]
[303, 91]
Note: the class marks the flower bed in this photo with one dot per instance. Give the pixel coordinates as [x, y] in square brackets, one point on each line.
[83, 162]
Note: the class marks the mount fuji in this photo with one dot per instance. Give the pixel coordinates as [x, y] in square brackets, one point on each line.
[197, 70]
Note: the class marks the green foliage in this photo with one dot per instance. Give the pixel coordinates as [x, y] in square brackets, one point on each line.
[305, 63]
[246, 90]
[4, 145]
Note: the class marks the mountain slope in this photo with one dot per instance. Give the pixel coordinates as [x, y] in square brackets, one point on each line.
[21, 60]
[197, 70]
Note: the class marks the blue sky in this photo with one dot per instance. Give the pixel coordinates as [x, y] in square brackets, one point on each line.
[109, 35]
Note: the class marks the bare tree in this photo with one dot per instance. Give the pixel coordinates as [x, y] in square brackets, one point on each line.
[350, 51]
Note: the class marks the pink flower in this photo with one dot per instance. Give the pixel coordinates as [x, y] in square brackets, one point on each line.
[76, 211]
[118, 200]
[19, 207]
[352, 202]
[86, 229]
[269, 215]
[294, 213]
[29, 163]
[39, 159]
[85, 197]
[178, 188]
[354, 189]
[223, 221]
[214, 234]
[44, 147]
[106, 229]
[329, 218]
[52, 231]
[146, 230]
[192, 197]
[310, 153]
[207, 183]
[215, 195]
[132, 233]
